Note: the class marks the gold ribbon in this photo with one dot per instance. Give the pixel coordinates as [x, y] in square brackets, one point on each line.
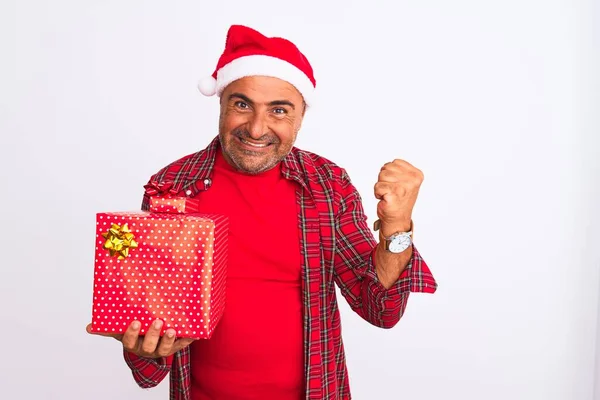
[119, 240]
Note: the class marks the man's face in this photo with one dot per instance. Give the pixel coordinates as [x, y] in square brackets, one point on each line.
[259, 121]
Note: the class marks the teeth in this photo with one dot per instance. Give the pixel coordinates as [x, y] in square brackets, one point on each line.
[254, 145]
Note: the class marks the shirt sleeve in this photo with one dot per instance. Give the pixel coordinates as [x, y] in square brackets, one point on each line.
[354, 266]
[148, 372]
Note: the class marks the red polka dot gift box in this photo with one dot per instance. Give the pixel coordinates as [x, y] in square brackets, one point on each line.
[168, 263]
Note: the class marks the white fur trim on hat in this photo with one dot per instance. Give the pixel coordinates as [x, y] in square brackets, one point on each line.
[260, 65]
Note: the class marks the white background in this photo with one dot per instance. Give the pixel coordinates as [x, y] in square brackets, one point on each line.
[493, 100]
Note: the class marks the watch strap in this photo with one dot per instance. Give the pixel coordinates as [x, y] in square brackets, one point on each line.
[377, 227]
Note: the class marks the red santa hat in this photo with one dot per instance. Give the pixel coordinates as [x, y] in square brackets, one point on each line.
[250, 53]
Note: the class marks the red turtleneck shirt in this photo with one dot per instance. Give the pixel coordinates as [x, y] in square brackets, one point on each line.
[256, 351]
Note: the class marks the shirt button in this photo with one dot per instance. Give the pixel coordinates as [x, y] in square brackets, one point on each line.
[207, 181]
[188, 192]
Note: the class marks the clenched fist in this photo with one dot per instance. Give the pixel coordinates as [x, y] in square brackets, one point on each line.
[397, 189]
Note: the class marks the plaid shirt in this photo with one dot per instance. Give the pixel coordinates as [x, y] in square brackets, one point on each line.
[337, 248]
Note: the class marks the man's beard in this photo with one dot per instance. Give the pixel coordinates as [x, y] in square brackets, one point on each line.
[242, 159]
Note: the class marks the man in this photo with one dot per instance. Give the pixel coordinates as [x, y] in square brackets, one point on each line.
[297, 228]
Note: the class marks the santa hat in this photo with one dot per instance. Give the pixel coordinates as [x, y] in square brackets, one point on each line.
[250, 53]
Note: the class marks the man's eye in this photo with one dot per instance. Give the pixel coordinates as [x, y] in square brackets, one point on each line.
[241, 104]
[280, 110]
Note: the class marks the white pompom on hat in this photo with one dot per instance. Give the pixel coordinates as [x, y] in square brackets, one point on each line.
[208, 86]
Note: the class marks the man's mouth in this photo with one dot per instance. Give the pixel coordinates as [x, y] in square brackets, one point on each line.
[256, 145]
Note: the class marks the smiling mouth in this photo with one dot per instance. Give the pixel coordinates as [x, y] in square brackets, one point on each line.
[255, 145]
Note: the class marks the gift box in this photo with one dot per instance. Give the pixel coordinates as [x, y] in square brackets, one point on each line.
[168, 263]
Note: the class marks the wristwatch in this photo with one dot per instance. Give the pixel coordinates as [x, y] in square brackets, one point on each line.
[397, 242]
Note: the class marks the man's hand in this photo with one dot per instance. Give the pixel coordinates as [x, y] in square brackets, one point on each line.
[150, 345]
[397, 189]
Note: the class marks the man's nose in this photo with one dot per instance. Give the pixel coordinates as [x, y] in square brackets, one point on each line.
[258, 126]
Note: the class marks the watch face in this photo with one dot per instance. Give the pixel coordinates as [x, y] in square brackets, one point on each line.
[399, 243]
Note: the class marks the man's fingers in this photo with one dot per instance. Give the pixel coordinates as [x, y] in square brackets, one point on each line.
[152, 344]
[152, 337]
[389, 176]
[169, 344]
[166, 343]
[399, 168]
[131, 336]
[381, 189]
[398, 163]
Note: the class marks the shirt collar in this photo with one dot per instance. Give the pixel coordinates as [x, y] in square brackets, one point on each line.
[198, 170]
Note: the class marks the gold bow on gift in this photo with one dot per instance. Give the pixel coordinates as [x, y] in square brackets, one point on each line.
[119, 240]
